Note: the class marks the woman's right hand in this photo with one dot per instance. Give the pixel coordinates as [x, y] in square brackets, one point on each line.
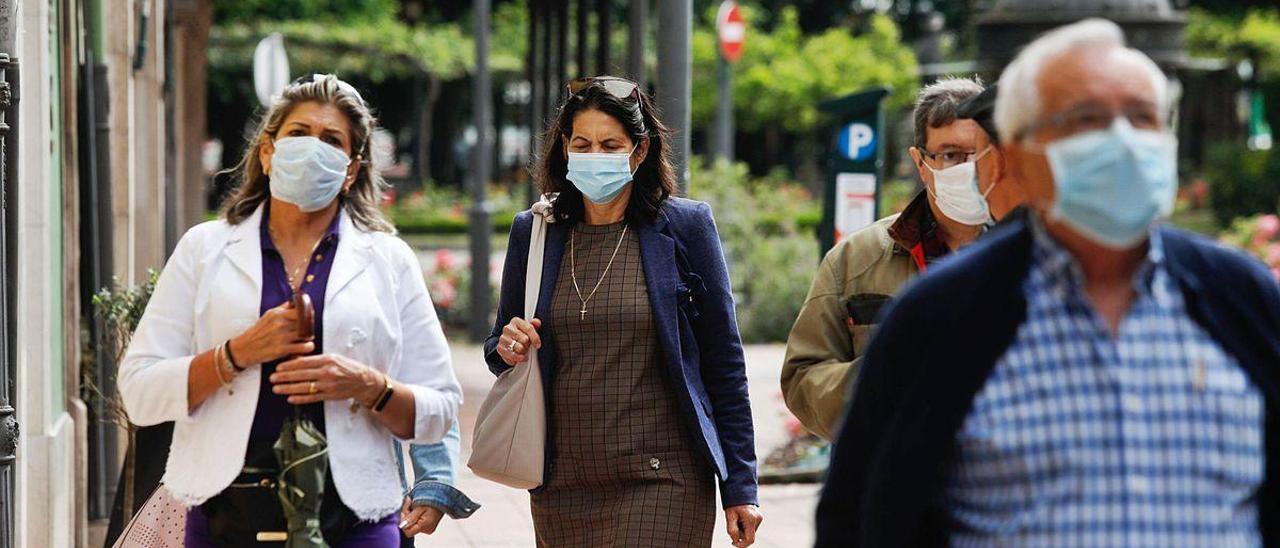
[516, 340]
[275, 336]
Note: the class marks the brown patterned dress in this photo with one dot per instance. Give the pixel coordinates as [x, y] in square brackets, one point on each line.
[625, 470]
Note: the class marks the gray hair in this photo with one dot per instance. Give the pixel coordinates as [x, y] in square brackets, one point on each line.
[937, 103]
[362, 200]
[1018, 103]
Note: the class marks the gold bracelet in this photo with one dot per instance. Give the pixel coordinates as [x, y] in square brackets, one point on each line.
[217, 369]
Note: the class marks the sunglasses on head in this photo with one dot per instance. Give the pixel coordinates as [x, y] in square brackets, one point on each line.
[619, 88]
[316, 77]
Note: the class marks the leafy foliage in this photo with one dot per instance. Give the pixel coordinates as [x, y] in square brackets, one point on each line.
[448, 279]
[784, 73]
[229, 11]
[443, 210]
[117, 309]
[1257, 33]
[771, 257]
[1242, 182]
[364, 37]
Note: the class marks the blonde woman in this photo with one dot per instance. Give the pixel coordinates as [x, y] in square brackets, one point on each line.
[219, 349]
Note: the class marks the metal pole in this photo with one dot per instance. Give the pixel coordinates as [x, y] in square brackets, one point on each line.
[675, 18]
[562, 44]
[603, 30]
[724, 113]
[584, 30]
[636, 29]
[480, 229]
[535, 95]
[548, 87]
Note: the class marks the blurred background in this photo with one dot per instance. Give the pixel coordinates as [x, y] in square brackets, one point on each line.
[119, 119]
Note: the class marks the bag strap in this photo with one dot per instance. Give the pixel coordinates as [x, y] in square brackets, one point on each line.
[542, 214]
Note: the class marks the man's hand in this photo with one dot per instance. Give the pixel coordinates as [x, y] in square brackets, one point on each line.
[419, 520]
[742, 522]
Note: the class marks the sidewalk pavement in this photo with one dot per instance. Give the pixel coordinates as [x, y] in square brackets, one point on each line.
[504, 519]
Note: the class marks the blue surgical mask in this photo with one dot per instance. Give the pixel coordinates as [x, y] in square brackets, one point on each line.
[601, 176]
[307, 172]
[1111, 184]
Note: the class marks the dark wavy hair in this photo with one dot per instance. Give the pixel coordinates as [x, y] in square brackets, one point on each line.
[655, 178]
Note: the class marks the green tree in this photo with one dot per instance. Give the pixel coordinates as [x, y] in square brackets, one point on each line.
[784, 73]
[347, 11]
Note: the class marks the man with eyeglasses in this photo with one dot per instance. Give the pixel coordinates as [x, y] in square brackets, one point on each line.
[860, 274]
[1084, 375]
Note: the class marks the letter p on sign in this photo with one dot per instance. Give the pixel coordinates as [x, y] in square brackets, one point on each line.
[857, 141]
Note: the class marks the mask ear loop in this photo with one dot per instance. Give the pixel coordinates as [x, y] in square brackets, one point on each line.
[633, 151]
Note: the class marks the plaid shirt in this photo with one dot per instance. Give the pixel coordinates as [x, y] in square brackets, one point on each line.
[1151, 438]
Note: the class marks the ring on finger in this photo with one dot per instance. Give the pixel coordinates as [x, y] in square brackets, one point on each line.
[312, 390]
[512, 347]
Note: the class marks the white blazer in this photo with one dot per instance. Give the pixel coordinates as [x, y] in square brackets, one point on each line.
[376, 311]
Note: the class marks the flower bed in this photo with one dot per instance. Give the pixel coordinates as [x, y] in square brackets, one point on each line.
[1260, 236]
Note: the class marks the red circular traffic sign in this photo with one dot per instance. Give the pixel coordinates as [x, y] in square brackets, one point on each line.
[732, 30]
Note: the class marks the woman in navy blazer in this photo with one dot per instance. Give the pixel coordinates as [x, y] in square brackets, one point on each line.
[640, 351]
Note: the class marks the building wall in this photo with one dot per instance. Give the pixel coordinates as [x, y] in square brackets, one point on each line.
[45, 491]
[45, 36]
[137, 136]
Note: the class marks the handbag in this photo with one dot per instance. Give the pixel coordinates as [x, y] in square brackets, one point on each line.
[160, 523]
[247, 512]
[509, 441]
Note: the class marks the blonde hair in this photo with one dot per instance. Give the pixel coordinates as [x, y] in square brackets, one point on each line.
[361, 200]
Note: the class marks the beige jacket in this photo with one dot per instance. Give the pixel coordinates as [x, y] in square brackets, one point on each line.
[856, 279]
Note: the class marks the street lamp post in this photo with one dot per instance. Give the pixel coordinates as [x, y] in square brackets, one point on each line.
[675, 18]
[639, 10]
[481, 161]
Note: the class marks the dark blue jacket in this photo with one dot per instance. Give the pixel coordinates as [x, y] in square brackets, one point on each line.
[938, 344]
[688, 285]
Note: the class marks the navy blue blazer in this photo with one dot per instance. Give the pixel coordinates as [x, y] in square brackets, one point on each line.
[939, 342]
[693, 308]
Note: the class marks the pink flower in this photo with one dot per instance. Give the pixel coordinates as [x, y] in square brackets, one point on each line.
[1273, 254]
[445, 260]
[1268, 226]
[793, 426]
[443, 293]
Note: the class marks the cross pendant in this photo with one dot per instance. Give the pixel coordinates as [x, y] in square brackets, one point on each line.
[582, 315]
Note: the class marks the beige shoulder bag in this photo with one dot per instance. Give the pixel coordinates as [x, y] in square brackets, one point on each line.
[508, 445]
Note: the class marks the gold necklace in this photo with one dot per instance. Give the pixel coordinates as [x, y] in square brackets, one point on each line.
[295, 286]
[573, 270]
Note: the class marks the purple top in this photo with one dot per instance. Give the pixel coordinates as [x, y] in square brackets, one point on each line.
[274, 408]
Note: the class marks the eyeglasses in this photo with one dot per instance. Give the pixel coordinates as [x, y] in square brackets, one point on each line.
[1094, 117]
[620, 88]
[342, 86]
[952, 158]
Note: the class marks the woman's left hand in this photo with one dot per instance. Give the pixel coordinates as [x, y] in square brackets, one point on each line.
[742, 522]
[311, 379]
[419, 520]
